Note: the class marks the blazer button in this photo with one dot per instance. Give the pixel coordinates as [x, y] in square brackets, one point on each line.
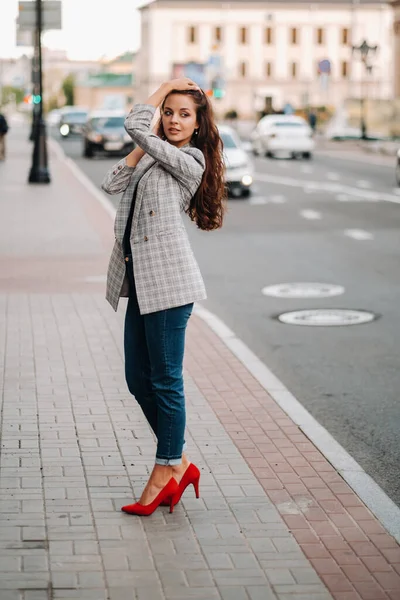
[152, 213]
[119, 167]
[114, 172]
[146, 238]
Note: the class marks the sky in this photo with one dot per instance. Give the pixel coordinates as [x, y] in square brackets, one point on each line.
[91, 29]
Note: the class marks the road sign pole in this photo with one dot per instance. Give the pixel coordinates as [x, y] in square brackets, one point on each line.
[39, 170]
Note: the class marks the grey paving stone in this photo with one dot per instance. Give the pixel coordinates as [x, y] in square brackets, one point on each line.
[129, 593]
[240, 577]
[263, 592]
[81, 594]
[89, 579]
[185, 593]
[233, 593]
[10, 563]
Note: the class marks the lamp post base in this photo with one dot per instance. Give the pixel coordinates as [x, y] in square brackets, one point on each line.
[39, 171]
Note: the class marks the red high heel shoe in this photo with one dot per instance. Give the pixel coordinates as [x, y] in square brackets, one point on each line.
[167, 493]
[190, 476]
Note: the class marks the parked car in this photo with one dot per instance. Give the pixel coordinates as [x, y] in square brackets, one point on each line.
[104, 132]
[283, 135]
[398, 167]
[53, 117]
[239, 167]
[72, 121]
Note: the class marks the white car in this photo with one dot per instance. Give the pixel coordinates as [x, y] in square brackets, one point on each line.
[239, 166]
[398, 167]
[283, 136]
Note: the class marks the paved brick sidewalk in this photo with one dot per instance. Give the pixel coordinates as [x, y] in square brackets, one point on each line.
[274, 521]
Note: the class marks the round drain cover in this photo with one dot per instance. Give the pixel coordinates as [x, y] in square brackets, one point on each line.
[303, 290]
[326, 317]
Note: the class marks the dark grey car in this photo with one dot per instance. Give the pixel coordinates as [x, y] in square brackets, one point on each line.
[105, 133]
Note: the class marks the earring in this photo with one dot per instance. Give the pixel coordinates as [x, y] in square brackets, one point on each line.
[196, 132]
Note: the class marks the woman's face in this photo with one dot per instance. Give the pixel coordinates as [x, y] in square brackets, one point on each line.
[179, 119]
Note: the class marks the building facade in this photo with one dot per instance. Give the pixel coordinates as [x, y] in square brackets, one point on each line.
[396, 31]
[267, 55]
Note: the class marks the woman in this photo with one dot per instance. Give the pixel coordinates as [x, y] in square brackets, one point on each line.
[177, 169]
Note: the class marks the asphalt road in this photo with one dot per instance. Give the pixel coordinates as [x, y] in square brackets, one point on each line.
[332, 220]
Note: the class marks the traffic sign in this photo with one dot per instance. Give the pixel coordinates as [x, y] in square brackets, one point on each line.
[324, 66]
[51, 15]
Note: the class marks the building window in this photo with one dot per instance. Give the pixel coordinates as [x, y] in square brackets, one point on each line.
[243, 69]
[294, 70]
[320, 36]
[243, 35]
[268, 35]
[294, 36]
[268, 69]
[345, 36]
[192, 35]
[345, 69]
[218, 34]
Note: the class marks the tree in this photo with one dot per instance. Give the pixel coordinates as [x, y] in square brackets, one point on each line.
[68, 88]
[11, 94]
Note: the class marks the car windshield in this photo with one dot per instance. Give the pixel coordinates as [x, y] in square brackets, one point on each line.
[108, 122]
[228, 141]
[75, 117]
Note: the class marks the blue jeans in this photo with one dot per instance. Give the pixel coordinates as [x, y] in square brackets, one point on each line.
[154, 348]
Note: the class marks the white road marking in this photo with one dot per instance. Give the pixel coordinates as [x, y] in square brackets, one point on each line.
[323, 186]
[359, 234]
[362, 183]
[312, 215]
[278, 199]
[333, 176]
[343, 198]
[257, 200]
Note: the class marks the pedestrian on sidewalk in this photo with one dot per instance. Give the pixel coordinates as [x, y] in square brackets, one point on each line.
[3, 132]
[176, 168]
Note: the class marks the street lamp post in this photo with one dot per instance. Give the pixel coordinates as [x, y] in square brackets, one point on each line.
[364, 49]
[39, 172]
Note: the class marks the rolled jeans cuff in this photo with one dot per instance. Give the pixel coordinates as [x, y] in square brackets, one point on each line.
[168, 462]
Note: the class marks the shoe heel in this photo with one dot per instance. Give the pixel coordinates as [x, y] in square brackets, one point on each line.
[196, 483]
[172, 501]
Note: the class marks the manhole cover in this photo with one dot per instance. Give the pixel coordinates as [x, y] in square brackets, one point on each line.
[303, 290]
[326, 317]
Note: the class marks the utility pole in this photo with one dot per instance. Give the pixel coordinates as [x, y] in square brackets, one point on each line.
[39, 170]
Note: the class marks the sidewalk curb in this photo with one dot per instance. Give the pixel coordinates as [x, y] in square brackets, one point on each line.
[363, 485]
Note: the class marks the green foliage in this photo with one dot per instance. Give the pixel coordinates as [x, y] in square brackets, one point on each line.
[68, 88]
[11, 94]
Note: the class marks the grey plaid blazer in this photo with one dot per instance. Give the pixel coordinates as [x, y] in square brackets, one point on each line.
[166, 271]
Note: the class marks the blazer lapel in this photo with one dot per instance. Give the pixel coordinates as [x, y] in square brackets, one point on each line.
[126, 200]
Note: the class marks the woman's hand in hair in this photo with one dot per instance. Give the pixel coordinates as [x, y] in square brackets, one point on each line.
[182, 84]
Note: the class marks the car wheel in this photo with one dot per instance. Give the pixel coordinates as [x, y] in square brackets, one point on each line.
[307, 155]
[246, 193]
[88, 151]
[269, 154]
[398, 174]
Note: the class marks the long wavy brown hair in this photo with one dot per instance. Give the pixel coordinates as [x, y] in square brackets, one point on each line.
[207, 206]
